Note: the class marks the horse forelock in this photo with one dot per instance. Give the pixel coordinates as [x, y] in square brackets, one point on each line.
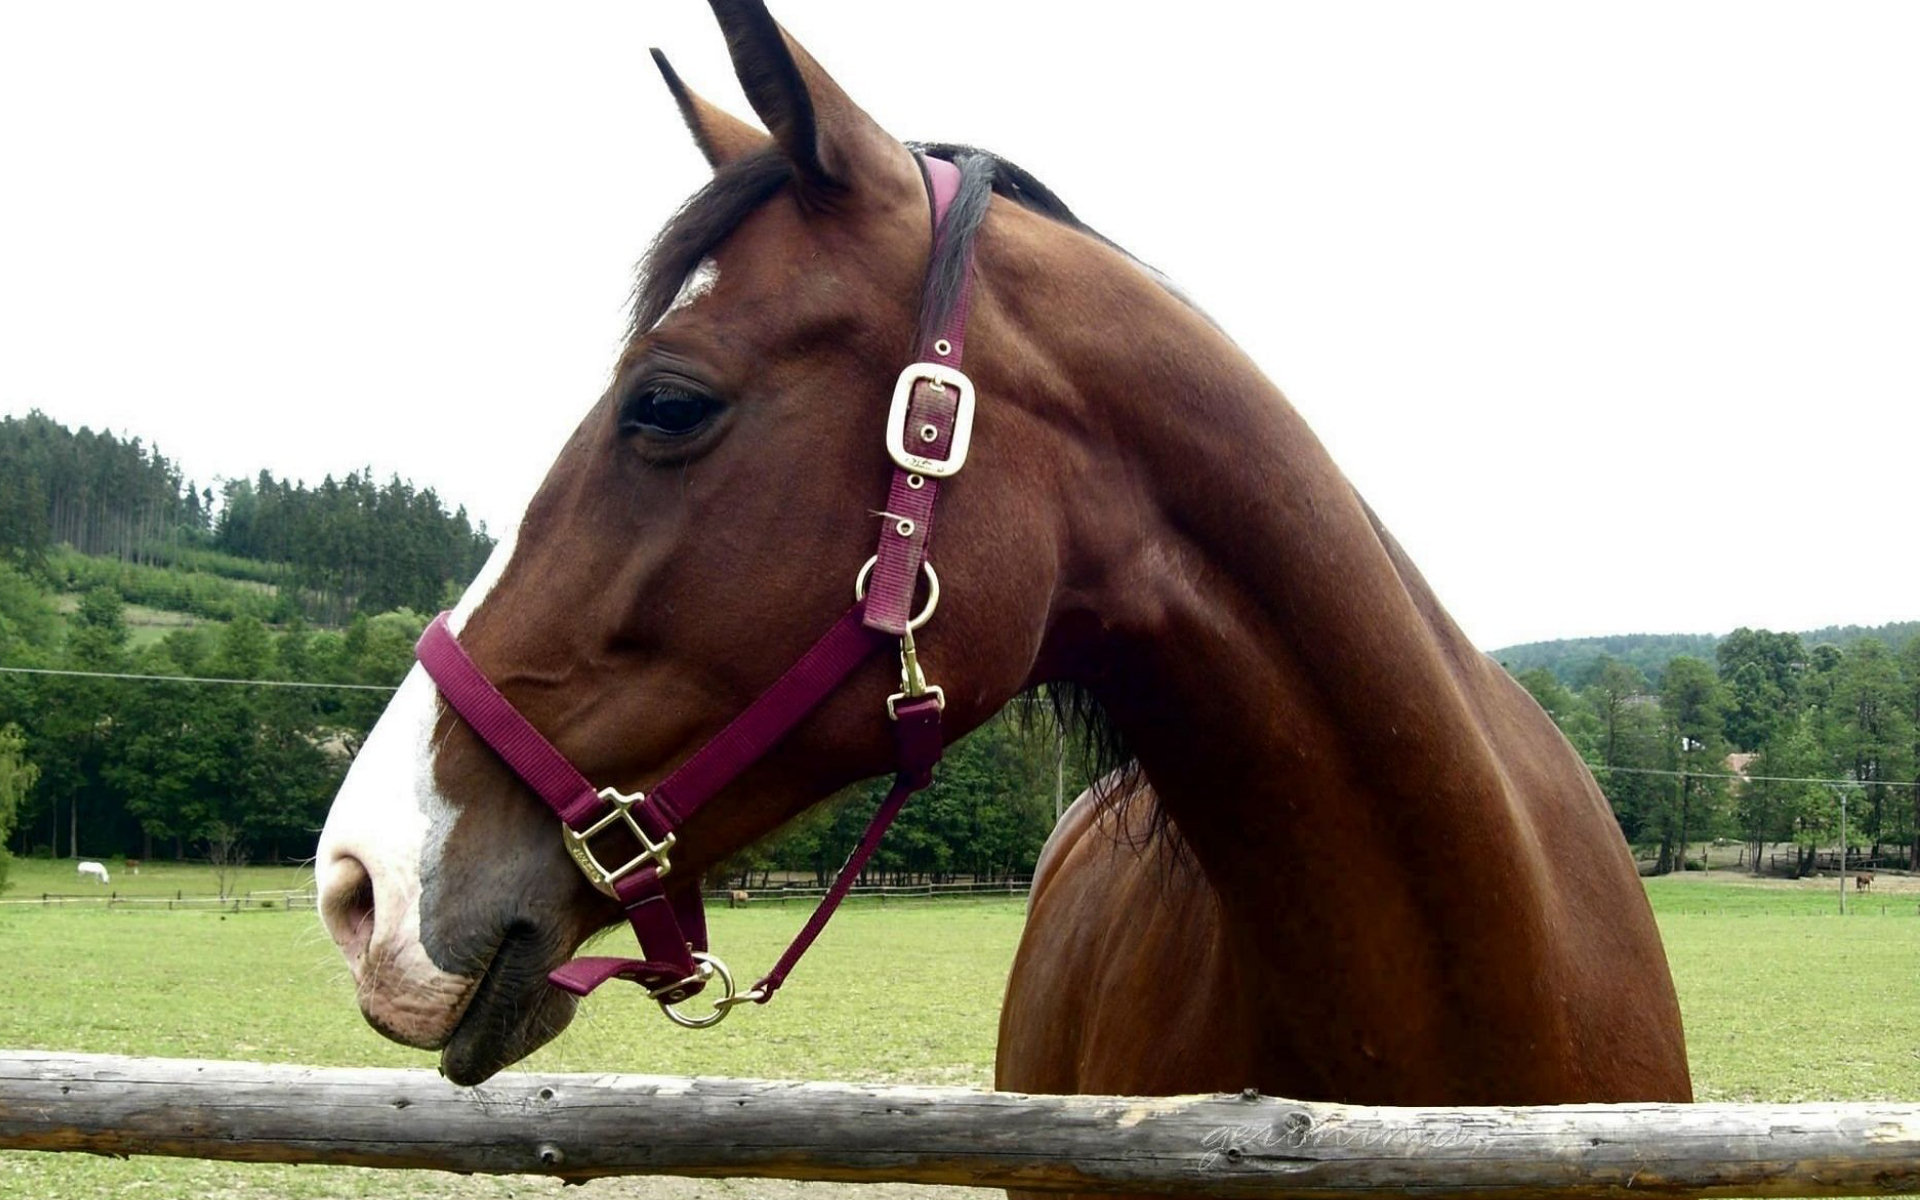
[692, 234]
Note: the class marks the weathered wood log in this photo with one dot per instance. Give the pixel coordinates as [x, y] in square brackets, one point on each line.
[581, 1126]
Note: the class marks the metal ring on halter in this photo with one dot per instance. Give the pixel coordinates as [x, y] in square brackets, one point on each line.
[933, 590]
[709, 967]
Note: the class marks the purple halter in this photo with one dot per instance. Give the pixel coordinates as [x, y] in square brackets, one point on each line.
[929, 428]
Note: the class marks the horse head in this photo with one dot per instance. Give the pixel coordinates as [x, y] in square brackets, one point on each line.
[700, 528]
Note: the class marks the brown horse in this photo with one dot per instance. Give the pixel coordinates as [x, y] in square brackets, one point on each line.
[1355, 861]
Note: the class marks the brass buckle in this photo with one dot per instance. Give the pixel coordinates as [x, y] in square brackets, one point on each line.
[941, 376]
[579, 845]
[709, 968]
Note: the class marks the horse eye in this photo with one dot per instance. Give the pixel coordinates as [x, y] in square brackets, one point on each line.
[667, 412]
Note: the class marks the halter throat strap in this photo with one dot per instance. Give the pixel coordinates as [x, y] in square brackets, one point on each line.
[928, 433]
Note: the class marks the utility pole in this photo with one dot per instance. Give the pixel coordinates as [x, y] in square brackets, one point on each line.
[1841, 789]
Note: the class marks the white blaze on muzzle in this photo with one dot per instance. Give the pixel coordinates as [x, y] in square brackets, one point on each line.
[386, 823]
[386, 815]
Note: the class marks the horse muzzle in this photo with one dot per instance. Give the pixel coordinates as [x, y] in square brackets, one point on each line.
[401, 992]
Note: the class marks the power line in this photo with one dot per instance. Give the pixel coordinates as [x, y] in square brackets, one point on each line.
[284, 683]
[1853, 783]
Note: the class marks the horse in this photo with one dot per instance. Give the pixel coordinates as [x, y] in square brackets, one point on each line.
[1341, 856]
[95, 871]
[1863, 881]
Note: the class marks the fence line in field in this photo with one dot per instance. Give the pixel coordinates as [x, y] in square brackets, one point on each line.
[581, 1127]
[297, 898]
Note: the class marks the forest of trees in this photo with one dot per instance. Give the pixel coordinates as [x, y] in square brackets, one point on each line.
[92, 491]
[353, 545]
[131, 767]
[271, 580]
[346, 546]
[1800, 711]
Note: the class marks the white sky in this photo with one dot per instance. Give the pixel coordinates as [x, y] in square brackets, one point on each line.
[1610, 310]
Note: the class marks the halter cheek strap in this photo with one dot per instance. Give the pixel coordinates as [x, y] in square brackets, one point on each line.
[929, 428]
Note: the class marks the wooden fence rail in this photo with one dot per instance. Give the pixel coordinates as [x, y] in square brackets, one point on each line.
[581, 1126]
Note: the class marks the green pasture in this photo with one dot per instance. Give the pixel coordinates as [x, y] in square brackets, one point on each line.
[1738, 894]
[1784, 1001]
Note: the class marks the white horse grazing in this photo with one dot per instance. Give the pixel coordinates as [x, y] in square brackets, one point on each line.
[94, 870]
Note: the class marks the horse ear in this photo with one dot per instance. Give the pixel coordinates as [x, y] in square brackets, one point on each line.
[721, 136]
[834, 146]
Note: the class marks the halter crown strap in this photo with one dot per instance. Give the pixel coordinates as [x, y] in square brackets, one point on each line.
[931, 407]
[932, 418]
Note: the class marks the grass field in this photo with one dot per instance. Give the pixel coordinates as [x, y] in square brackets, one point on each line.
[1784, 1001]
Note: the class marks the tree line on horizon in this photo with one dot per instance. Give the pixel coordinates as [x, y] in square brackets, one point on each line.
[1574, 661]
[346, 546]
[1794, 712]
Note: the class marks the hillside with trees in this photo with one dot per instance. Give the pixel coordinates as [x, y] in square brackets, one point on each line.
[1577, 661]
[112, 564]
[1793, 714]
[346, 546]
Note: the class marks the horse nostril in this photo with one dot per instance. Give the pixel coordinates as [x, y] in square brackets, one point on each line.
[346, 907]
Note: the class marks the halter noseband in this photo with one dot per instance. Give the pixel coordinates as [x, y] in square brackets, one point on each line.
[929, 429]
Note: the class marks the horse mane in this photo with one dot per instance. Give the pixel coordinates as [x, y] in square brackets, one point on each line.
[1100, 751]
[738, 188]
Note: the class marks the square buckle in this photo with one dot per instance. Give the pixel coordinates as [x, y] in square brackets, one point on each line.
[941, 376]
[579, 845]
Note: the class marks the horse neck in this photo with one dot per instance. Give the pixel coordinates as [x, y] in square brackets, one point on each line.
[1282, 672]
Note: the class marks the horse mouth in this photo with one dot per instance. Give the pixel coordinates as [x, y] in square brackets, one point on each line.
[513, 1011]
